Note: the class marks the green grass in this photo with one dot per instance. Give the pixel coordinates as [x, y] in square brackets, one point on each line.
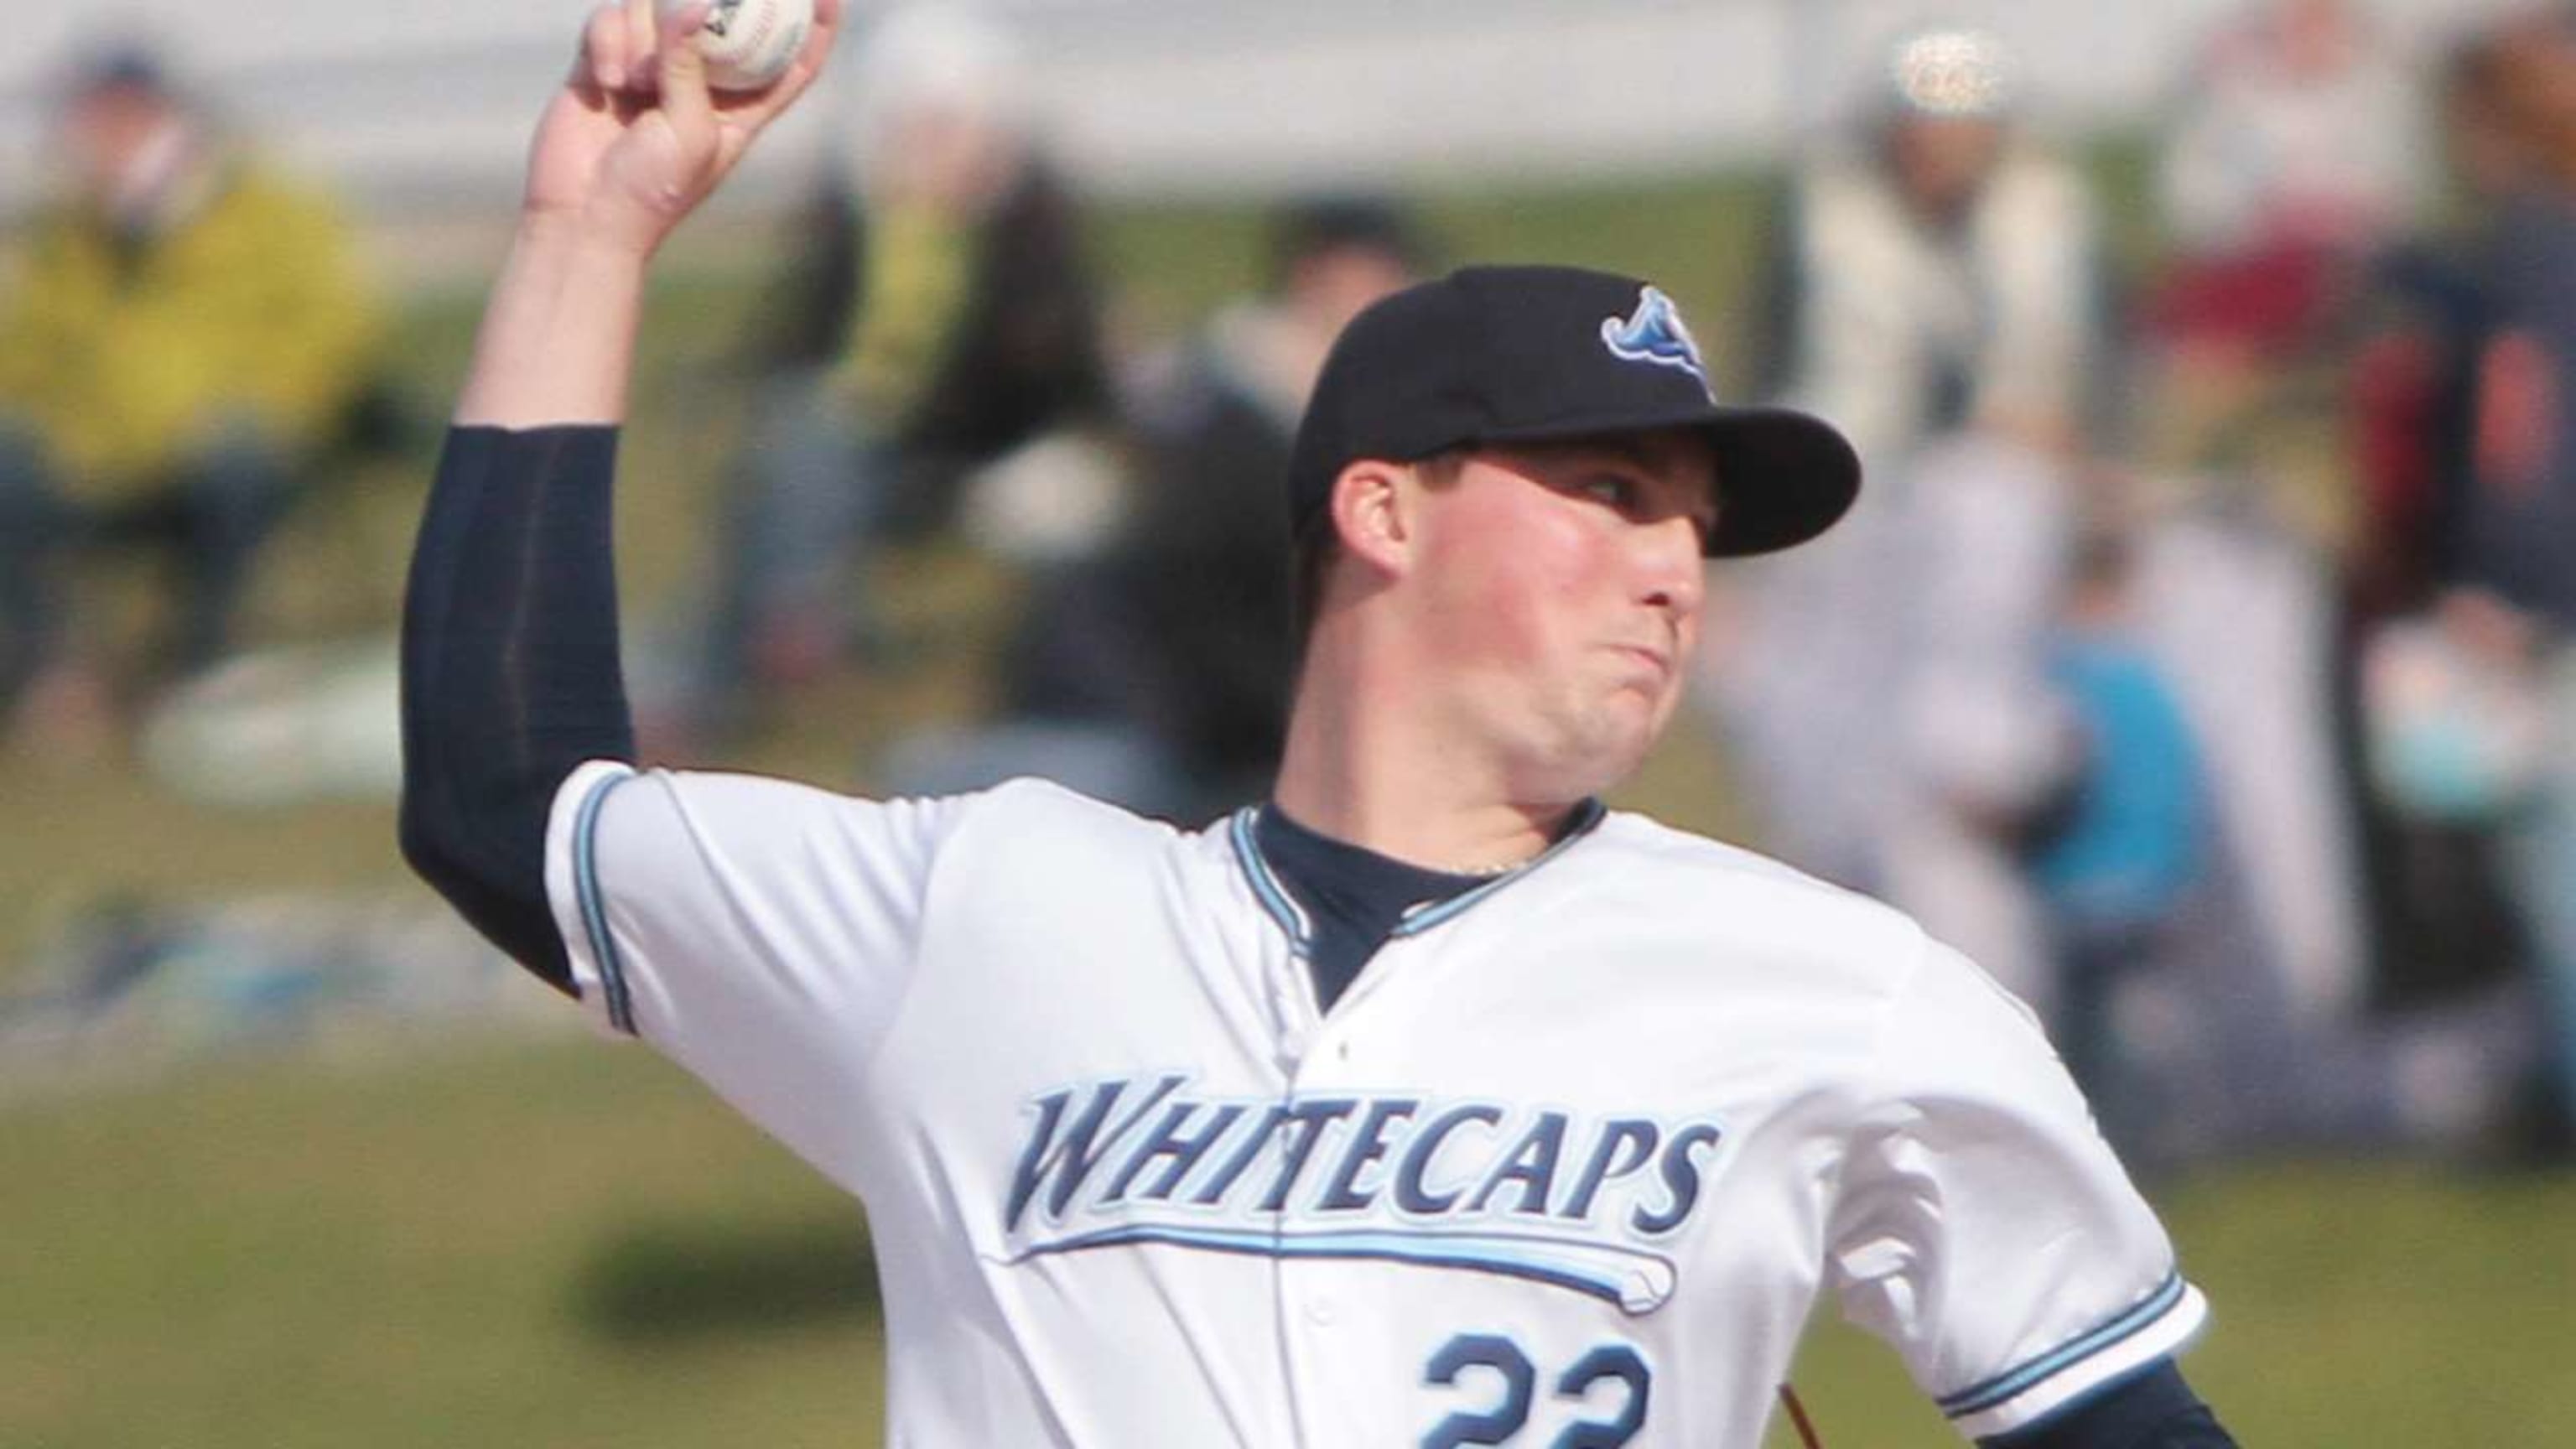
[489, 1247]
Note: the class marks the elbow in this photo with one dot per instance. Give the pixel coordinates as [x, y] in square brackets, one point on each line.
[429, 850]
[500, 893]
[434, 845]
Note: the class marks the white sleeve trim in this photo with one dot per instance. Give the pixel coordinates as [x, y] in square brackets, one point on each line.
[572, 889]
[2148, 1330]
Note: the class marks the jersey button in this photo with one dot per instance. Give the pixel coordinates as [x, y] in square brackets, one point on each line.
[1321, 1312]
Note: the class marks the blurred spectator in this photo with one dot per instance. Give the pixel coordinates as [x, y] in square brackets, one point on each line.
[2197, 897]
[2290, 166]
[942, 316]
[2118, 864]
[1156, 672]
[2197, 882]
[1939, 300]
[1979, 744]
[2295, 156]
[2520, 525]
[2241, 613]
[2436, 738]
[187, 332]
[1942, 274]
[2296, 151]
[1893, 720]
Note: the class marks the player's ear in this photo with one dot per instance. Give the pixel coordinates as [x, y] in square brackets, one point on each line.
[1372, 513]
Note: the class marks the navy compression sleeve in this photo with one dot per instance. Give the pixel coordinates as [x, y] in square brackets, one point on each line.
[2153, 1409]
[510, 675]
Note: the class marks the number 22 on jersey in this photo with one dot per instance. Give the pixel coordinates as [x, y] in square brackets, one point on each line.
[1479, 1359]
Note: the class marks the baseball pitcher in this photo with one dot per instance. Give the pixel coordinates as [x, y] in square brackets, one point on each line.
[1425, 1102]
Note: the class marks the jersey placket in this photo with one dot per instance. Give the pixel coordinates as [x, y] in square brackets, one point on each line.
[1321, 1302]
[1323, 1298]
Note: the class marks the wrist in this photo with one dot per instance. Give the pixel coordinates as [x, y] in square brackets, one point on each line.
[586, 245]
[559, 333]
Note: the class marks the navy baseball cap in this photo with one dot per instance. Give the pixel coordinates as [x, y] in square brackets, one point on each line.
[1492, 355]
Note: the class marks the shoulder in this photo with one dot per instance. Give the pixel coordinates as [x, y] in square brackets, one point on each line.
[1721, 929]
[1026, 813]
[1741, 895]
[1033, 818]
[1655, 845]
[1029, 799]
[1029, 859]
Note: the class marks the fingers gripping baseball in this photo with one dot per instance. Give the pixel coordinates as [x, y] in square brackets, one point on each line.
[637, 139]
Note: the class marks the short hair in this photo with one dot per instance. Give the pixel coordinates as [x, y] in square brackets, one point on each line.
[1310, 553]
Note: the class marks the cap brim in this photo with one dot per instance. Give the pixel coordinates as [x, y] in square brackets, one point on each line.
[1784, 476]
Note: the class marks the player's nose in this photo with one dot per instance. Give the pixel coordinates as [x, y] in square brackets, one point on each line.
[1671, 573]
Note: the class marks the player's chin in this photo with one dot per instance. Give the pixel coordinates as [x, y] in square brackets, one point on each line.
[1613, 744]
[1643, 703]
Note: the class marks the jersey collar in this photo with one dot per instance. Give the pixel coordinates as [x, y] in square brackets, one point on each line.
[1292, 919]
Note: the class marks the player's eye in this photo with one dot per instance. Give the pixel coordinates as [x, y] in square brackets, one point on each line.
[1613, 489]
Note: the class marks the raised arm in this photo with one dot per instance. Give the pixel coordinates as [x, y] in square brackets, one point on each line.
[510, 648]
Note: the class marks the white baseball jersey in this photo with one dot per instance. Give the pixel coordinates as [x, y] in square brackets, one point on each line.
[1565, 1166]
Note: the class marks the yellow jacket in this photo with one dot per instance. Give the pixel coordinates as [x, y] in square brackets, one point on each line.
[251, 308]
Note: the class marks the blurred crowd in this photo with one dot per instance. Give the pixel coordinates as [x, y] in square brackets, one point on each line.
[2201, 657]
[186, 336]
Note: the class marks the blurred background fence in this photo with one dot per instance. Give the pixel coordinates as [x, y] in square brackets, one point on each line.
[421, 112]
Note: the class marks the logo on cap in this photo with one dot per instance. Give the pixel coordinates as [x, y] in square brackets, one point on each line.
[1654, 333]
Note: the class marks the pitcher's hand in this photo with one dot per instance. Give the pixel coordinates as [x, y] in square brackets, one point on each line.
[636, 139]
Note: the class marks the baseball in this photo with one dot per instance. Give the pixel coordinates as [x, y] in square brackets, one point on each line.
[750, 43]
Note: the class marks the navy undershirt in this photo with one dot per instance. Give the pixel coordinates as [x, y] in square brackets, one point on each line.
[510, 673]
[1354, 898]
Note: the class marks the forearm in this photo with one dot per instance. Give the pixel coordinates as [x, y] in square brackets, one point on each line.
[510, 676]
[510, 670]
[558, 339]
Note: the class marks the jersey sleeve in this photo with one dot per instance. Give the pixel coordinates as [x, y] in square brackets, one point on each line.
[760, 933]
[1983, 1227]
